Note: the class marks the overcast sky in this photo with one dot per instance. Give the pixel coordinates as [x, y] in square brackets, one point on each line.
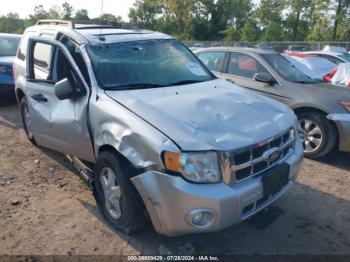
[26, 7]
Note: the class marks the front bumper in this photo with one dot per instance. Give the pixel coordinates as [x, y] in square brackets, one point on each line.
[342, 122]
[169, 199]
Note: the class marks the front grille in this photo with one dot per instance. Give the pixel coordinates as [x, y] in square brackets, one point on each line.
[253, 160]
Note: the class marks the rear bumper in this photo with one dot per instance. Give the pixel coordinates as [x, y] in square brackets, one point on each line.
[170, 199]
[343, 124]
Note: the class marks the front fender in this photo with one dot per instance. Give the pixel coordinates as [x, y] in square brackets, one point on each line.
[130, 135]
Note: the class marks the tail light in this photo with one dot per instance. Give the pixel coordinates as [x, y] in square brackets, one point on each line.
[6, 69]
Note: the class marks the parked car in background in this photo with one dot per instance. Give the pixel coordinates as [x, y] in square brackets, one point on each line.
[217, 44]
[197, 46]
[8, 48]
[322, 109]
[265, 46]
[296, 48]
[336, 49]
[311, 65]
[334, 57]
[148, 125]
[340, 75]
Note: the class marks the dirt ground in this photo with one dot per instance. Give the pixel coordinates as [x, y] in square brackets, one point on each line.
[45, 209]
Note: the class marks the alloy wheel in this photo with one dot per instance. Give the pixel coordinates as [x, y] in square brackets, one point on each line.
[310, 134]
[111, 191]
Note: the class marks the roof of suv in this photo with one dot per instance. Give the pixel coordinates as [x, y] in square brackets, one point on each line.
[97, 34]
[113, 35]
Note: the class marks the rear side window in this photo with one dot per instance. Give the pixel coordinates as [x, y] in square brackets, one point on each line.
[213, 60]
[42, 61]
[22, 49]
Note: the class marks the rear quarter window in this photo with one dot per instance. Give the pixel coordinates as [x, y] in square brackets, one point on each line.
[22, 49]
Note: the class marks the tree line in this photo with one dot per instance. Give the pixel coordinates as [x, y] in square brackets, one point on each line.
[212, 20]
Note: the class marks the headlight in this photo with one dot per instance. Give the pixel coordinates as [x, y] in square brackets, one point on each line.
[196, 167]
[345, 104]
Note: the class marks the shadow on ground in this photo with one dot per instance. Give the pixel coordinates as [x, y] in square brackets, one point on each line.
[296, 224]
[337, 159]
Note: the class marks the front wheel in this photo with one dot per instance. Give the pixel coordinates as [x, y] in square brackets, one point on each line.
[317, 133]
[115, 195]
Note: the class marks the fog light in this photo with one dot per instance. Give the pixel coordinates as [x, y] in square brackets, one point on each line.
[196, 219]
[200, 218]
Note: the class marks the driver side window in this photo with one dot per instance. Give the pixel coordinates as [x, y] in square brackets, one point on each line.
[244, 65]
[62, 69]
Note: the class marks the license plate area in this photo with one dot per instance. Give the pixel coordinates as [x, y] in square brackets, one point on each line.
[274, 179]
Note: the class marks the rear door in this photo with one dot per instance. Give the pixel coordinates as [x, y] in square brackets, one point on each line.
[242, 67]
[57, 124]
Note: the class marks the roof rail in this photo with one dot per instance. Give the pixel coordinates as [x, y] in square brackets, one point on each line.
[55, 22]
[86, 24]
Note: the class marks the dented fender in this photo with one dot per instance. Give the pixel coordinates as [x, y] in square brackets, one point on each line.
[114, 125]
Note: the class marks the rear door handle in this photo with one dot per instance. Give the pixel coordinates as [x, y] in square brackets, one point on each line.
[230, 80]
[40, 98]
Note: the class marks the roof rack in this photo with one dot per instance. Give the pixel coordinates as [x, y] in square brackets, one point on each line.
[86, 24]
[55, 22]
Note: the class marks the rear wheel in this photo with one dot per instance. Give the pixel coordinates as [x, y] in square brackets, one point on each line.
[116, 196]
[317, 133]
[26, 120]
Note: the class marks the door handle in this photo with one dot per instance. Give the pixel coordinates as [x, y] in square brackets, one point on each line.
[230, 80]
[39, 98]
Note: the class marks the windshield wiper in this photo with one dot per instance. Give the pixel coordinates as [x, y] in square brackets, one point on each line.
[132, 86]
[185, 82]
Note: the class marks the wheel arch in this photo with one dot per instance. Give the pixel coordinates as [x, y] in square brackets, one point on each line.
[123, 160]
[19, 94]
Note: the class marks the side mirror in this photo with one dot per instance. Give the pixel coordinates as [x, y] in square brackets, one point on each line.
[65, 90]
[264, 78]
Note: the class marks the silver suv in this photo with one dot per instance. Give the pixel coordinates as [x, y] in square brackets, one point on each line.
[153, 132]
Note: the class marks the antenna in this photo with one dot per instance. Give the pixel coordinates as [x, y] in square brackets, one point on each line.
[101, 8]
[101, 17]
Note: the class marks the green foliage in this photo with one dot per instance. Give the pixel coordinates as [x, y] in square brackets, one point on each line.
[81, 14]
[321, 22]
[250, 31]
[110, 18]
[211, 20]
[11, 23]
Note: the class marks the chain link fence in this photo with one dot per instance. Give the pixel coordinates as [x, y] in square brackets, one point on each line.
[277, 46]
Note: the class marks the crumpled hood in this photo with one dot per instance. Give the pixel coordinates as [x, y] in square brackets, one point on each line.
[214, 115]
[6, 60]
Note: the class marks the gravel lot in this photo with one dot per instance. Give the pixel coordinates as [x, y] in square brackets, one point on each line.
[45, 209]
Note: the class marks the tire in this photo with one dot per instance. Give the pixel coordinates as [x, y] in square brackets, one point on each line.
[25, 118]
[326, 133]
[131, 218]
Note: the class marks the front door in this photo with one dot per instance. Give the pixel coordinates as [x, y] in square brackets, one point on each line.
[57, 124]
[241, 69]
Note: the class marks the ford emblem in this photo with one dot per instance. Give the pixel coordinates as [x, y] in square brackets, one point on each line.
[272, 155]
